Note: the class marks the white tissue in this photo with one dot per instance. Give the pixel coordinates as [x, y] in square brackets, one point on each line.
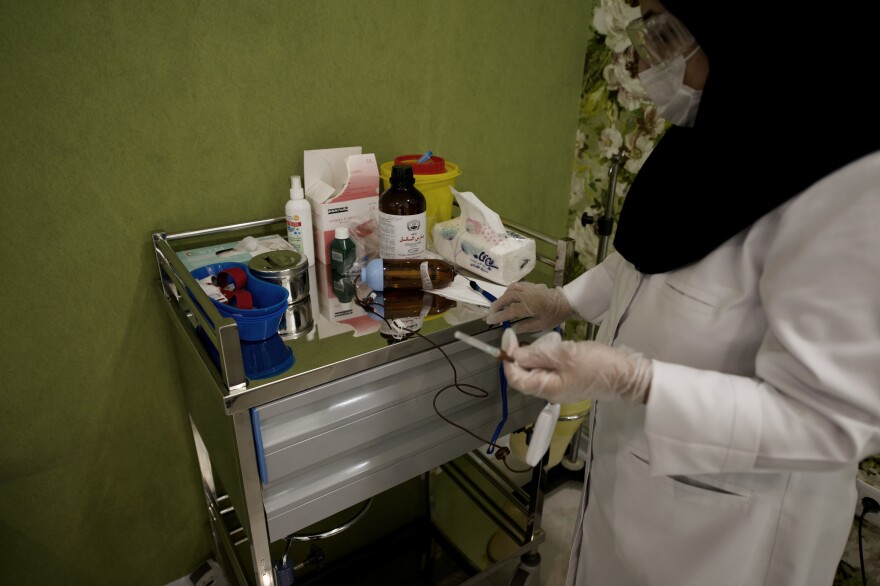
[212, 290]
[478, 241]
[460, 290]
[254, 246]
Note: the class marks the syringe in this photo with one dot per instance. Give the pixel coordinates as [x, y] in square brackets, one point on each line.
[483, 346]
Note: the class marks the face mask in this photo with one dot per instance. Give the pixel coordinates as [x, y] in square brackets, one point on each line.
[664, 84]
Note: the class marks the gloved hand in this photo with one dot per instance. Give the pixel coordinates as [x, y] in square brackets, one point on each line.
[570, 372]
[545, 308]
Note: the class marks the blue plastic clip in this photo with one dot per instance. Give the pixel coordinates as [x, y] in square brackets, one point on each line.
[503, 379]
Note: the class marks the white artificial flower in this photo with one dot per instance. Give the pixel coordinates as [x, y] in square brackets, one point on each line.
[629, 101]
[580, 140]
[615, 74]
[610, 142]
[639, 146]
[621, 189]
[628, 79]
[577, 187]
[653, 121]
[585, 243]
[610, 19]
[631, 95]
[650, 123]
[633, 165]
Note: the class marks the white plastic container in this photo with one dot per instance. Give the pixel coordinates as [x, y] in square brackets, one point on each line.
[299, 221]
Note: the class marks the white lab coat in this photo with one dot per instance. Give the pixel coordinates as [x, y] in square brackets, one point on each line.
[765, 397]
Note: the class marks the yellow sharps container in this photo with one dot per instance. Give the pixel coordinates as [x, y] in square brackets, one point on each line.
[434, 177]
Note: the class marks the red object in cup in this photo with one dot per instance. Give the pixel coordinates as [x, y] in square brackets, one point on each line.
[239, 298]
[232, 278]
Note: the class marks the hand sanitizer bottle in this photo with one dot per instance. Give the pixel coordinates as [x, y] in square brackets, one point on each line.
[299, 221]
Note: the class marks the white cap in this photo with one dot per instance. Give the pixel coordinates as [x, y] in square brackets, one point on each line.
[341, 233]
[296, 189]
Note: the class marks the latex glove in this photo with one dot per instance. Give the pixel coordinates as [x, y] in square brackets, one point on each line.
[545, 308]
[570, 372]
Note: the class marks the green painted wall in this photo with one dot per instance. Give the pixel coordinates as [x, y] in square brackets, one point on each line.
[122, 118]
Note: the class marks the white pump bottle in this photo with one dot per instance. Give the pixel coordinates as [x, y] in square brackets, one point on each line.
[299, 221]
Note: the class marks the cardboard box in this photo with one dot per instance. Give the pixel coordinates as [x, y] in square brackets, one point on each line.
[342, 186]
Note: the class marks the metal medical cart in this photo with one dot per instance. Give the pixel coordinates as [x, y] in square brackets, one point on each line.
[352, 418]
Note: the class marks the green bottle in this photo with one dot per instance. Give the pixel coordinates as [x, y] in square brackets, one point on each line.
[343, 252]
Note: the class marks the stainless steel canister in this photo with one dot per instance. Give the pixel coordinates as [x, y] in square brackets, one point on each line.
[297, 320]
[287, 268]
[290, 270]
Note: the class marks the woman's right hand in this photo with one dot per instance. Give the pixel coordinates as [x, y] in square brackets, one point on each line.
[570, 372]
[544, 308]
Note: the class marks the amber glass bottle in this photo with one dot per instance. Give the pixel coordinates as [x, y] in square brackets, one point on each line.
[402, 218]
[408, 273]
[403, 303]
[403, 311]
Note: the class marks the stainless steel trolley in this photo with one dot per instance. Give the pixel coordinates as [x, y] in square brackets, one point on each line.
[353, 416]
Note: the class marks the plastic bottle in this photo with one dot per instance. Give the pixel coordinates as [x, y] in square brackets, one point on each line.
[408, 273]
[402, 219]
[299, 221]
[343, 252]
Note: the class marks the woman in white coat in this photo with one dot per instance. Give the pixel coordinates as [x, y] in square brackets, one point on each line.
[736, 375]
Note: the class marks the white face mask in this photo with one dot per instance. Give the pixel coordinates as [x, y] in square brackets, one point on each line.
[664, 84]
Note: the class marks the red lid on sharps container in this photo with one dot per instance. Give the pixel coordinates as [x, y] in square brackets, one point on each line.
[433, 166]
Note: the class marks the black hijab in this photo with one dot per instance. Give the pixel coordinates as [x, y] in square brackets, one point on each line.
[787, 102]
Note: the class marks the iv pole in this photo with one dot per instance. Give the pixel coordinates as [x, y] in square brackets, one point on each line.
[605, 225]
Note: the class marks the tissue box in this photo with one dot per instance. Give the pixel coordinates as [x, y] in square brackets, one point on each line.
[501, 258]
[478, 241]
[342, 187]
[232, 251]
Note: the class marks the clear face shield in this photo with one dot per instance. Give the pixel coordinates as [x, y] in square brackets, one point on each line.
[663, 43]
[659, 38]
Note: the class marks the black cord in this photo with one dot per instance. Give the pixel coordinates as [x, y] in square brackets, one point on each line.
[869, 505]
[501, 452]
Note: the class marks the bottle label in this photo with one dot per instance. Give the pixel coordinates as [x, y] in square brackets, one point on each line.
[402, 236]
[295, 233]
[424, 272]
[401, 327]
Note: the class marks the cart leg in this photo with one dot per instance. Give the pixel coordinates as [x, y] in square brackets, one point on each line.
[528, 572]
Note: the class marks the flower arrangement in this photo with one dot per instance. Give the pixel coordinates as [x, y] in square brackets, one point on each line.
[617, 121]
